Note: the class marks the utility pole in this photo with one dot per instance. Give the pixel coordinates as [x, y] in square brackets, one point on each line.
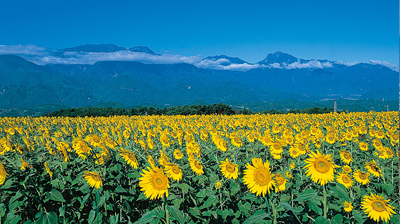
[387, 107]
[334, 107]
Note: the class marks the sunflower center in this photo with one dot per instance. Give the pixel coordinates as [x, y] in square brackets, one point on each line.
[375, 169]
[322, 165]
[175, 170]
[230, 168]
[346, 205]
[279, 181]
[96, 139]
[362, 176]
[197, 164]
[96, 178]
[346, 155]
[379, 206]
[261, 176]
[159, 182]
[346, 179]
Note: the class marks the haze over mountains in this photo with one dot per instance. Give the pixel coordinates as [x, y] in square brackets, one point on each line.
[138, 75]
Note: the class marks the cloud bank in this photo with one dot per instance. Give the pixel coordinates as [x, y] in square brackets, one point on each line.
[42, 56]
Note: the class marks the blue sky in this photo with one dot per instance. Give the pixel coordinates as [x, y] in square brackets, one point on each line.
[334, 30]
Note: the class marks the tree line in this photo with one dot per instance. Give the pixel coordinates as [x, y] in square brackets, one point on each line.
[178, 110]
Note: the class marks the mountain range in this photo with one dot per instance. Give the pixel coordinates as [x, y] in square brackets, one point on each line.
[277, 77]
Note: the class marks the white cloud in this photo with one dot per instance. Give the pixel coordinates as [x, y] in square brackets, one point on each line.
[385, 63]
[22, 49]
[217, 64]
[310, 64]
[346, 63]
[93, 57]
[275, 65]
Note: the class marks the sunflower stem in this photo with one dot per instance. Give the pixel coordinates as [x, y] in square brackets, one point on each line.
[274, 212]
[266, 200]
[325, 205]
[166, 210]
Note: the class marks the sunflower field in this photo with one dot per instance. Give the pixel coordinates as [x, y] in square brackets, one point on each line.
[291, 168]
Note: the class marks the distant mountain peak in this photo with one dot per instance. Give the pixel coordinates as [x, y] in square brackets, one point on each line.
[278, 57]
[143, 49]
[232, 60]
[99, 48]
[94, 48]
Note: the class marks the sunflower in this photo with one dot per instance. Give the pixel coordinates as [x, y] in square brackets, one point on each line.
[3, 174]
[346, 157]
[292, 165]
[280, 182]
[345, 179]
[130, 158]
[373, 168]
[93, 140]
[24, 165]
[289, 174]
[229, 170]
[151, 160]
[126, 134]
[361, 177]
[163, 159]
[258, 177]
[154, 183]
[348, 207]
[363, 146]
[294, 152]
[178, 154]
[93, 179]
[346, 169]
[377, 207]
[196, 166]
[218, 185]
[320, 167]
[173, 171]
[330, 139]
[48, 169]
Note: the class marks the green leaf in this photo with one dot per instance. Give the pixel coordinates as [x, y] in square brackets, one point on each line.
[244, 208]
[177, 202]
[315, 207]
[46, 218]
[210, 200]
[92, 216]
[176, 214]
[114, 219]
[235, 188]
[338, 219]
[84, 200]
[12, 218]
[184, 187]
[2, 209]
[148, 217]
[358, 216]
[306, 195]
[15, 197]
[235, 221]
[120, 189]
[195, 212]
[288, 207]
[61, 210]
[256, 217]
[55, 195]
[322, 220]
[388, 188]
[341, 190]
[285, 197]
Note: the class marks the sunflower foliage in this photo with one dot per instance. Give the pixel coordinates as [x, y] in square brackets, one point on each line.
[287, 168]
